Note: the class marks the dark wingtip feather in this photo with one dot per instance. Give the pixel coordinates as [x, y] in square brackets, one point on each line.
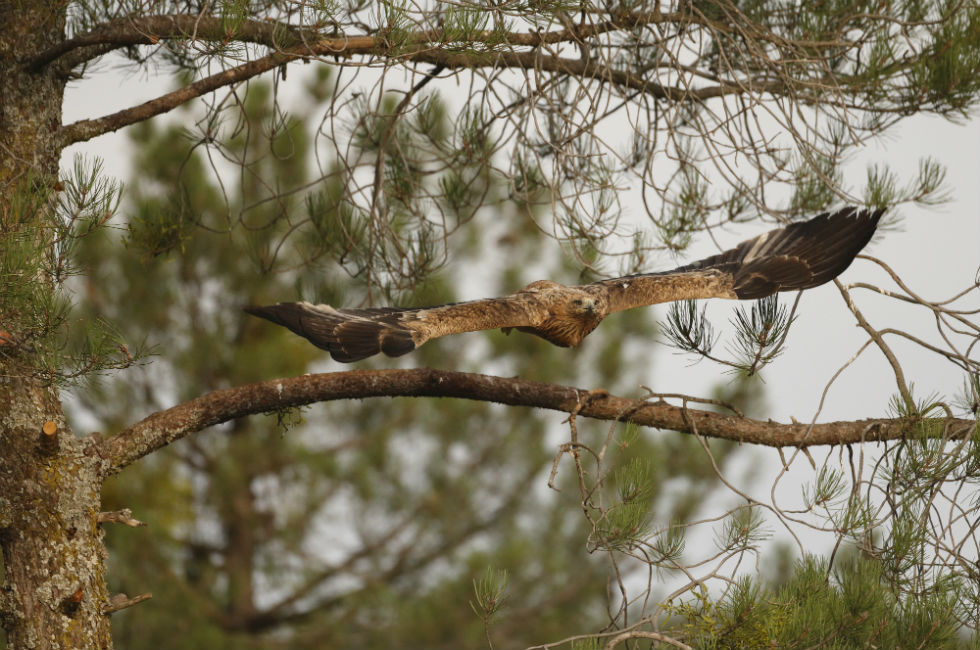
[348, 335]
[286, 314]
[803, 255]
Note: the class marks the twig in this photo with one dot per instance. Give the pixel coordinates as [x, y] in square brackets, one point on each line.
[640, 634]
[124, 516]
[122, 601]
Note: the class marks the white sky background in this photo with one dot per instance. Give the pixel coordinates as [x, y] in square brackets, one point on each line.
[936, 252]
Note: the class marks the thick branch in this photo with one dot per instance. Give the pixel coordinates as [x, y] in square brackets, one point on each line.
[150, 30]
[87, 129]
[290, 43]
[163, 427]
[344, 47]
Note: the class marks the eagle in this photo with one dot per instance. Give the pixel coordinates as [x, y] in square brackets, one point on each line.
[799, 256]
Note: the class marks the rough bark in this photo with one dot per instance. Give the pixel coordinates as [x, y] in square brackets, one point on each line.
[53, 592]
[53, 554]
[163, 427]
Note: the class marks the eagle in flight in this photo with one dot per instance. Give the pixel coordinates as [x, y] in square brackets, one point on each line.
[799, 256]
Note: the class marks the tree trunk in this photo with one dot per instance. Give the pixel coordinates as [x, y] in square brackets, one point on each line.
[53, 592]
[53, 554]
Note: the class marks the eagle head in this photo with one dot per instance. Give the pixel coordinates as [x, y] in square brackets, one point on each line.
[583, 305]
[570, 313]
[585, 310]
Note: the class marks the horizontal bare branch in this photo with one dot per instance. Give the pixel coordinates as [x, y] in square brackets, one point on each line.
[164, 427]
[83, 130]
[346, 47]
[150, 30]
[425, 46]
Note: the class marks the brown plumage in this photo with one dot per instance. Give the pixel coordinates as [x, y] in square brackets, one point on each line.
[799, 256]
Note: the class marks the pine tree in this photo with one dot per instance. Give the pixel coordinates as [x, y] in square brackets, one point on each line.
[733, 109]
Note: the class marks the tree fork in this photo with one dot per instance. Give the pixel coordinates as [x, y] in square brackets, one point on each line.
[53, 593]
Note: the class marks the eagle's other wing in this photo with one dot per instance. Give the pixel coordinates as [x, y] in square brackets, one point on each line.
[799, 256]
[354, 334]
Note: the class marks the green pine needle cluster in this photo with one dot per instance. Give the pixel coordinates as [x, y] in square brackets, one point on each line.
[40, 274]
[852, 606]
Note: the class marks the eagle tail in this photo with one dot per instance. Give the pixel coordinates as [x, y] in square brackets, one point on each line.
[799, 256]
[348, 334]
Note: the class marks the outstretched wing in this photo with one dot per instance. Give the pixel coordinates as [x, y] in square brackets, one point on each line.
[799, 256]
[354, 334]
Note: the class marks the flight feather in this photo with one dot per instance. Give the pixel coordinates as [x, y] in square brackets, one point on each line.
[799, 256]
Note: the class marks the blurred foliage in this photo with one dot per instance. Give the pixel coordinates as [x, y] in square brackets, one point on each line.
[345, 524]
[852, 606]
